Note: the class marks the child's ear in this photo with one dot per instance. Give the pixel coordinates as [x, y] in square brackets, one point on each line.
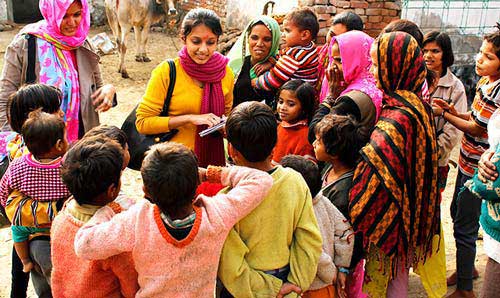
[305, 35]
[146, 194]
[230, 150]
[235, 155]
[113, 191]
[60, 145]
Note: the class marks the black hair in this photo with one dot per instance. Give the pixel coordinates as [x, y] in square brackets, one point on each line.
[308, 169]
[411, 28]
[305, 19]
[29, 98]
[41, 131]
[408, 27]
[109, 131]
[350, 20]
[343, 136]
[91, 166]
[201, 16]
[494, 38]
[442, 39]
[305, 93]
[170, 176]
[252, 130]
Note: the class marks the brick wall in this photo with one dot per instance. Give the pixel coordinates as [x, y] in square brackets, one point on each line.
[219, 6]
[376, 14]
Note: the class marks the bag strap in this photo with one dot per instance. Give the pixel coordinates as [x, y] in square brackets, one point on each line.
[30, 71]
[171, 85]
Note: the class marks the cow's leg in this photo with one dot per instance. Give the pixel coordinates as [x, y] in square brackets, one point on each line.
[122, 49]
[138, 52]
[114, 25]
[144, 41]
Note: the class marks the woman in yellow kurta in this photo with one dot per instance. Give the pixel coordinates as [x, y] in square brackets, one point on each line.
[203, 90]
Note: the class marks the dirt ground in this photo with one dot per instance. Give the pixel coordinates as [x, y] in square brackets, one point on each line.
[160, 47]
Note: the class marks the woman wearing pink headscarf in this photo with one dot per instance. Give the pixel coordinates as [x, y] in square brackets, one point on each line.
[348, 88]
[64, 59]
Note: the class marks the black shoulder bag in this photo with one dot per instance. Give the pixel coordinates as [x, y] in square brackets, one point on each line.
[138, 143]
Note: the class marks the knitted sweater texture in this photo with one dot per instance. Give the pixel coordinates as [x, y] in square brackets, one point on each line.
[74, 277]
[168, 267]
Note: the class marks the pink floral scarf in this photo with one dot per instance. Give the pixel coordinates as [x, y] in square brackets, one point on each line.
[57, 61]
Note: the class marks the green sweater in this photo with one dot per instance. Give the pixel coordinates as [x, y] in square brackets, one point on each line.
[490, 193]
[281, 231]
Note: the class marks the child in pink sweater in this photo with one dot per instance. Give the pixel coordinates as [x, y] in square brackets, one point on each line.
[175, 238]
[91, 170]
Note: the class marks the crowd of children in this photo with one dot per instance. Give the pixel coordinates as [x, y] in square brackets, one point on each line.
[333, 194]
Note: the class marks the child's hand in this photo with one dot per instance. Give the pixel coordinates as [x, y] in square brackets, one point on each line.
[437, 110]
[254, 83]
[341, 284]
[287, 288]
[486, 170]
[450, 108]
[336, 83]
[262, 67]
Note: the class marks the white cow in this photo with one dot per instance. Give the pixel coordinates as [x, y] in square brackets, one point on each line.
[140, 14]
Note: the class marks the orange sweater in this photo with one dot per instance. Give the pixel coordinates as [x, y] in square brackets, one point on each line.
[73, 277]
[292, 139]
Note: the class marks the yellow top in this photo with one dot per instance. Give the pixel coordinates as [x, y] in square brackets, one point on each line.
[281, 231]
[186, 99]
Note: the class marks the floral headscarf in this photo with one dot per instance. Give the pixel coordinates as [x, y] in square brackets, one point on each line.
[57, 63]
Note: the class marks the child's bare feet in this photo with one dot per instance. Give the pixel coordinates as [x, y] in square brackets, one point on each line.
[27, 265]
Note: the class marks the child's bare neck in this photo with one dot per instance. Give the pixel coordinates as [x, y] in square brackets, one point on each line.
[338, 169]
[47, 157]
[304, 44]
[493, 78]
[265, 165]
[180, 214]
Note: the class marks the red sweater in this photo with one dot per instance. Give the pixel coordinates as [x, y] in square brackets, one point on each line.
[74, 277]
[292, 139]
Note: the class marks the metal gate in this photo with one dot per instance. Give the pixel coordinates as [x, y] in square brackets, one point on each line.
[469, 16]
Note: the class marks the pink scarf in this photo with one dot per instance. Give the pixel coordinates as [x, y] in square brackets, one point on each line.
[54, 50]
[208, 149]
[354, 49]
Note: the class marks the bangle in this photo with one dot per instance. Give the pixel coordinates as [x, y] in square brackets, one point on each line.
[344, 270]
[442, 114]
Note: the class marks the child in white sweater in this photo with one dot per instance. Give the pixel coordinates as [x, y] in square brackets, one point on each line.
[335, 231]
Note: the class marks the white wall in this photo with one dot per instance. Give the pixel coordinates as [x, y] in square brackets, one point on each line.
[3, 10]
[239, 13]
